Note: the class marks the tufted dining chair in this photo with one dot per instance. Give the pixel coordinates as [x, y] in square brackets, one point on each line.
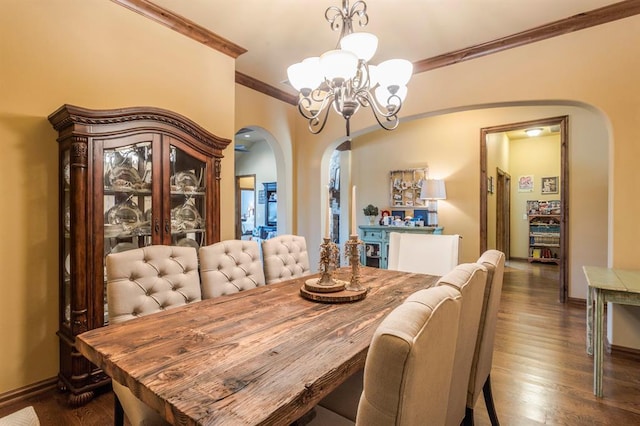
[285, 257]
[141, 282]
[423, 253]
[480, 378]
[230, 266]
[407, 372]
[470, 280]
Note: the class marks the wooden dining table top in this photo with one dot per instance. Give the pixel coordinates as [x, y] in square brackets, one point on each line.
[261, 356]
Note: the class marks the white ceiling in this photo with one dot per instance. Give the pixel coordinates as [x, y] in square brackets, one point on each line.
[278, 33]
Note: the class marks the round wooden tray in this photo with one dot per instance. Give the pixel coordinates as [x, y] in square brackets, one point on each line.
[342, 296]
[313, 285]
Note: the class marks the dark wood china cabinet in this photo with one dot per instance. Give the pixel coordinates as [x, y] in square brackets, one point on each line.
[128, 178]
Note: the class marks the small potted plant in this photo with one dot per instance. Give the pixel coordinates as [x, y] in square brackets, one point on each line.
[371, 212]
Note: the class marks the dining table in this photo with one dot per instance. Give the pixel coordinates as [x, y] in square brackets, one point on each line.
[263, 356]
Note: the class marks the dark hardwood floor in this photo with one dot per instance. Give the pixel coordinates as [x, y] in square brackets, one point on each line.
[541, 371]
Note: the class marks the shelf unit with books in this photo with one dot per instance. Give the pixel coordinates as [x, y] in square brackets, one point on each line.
[544, 231]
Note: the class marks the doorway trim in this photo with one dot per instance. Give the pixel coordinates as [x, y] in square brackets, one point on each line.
[503, 212]
[238, 209]
[563, 122]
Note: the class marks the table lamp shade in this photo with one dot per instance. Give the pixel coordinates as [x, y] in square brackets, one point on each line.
[433, 189]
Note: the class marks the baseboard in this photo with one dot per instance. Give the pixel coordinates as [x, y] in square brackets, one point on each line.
[27, 391]
[623, 350]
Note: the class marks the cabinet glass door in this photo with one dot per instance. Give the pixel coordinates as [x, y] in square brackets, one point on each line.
[127, 199]
[187, 202]
[66, 243]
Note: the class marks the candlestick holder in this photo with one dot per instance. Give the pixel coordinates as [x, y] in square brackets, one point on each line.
[352, 252]
[329, 259]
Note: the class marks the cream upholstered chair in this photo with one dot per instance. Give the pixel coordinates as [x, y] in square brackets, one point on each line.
[285, 257]
[230, 266]
[480, 377]
[470, 279]
[407, 373]
[423, 253]
[24, 417]
[141, 282]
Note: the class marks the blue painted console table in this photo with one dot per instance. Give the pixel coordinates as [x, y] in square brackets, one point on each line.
[376, 241]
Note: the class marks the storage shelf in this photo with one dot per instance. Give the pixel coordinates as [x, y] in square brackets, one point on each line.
[544, 259]
[544, 231]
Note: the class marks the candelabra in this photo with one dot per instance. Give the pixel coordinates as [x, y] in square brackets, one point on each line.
[329, 259]
[352, 252]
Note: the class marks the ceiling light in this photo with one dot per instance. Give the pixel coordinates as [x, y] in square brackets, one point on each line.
[534, 132]
[343, 77]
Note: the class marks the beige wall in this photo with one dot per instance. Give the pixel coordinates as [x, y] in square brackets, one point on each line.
[94, 54]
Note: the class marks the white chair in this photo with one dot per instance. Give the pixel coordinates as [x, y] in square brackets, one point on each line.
[480, 378]
[141, 282]
[285, 257]
[24, 417]
[230, 266]
[470, 279]
[407, 373]
[423, 253]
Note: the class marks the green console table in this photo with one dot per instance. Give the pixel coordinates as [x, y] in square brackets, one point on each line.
[376, 241]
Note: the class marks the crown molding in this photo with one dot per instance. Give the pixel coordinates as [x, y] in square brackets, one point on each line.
[262, 87]
[603, 15]
[183, 26]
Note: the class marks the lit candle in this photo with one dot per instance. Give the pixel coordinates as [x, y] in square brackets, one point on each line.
[353, 211]
[326, 219]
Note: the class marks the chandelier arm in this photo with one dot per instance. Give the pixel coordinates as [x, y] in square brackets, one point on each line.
[387, 120]
[318, 121]
[305, 103]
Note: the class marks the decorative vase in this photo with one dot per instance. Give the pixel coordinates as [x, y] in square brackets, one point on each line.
[372, 220]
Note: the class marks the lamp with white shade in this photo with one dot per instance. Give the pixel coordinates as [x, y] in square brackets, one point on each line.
[433, 190]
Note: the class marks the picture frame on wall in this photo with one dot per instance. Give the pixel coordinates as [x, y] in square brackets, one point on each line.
[549, 185]
[525, 183]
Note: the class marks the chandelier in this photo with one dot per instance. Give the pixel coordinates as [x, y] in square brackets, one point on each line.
[344, 78]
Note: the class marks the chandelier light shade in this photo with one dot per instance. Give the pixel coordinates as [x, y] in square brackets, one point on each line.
[344, 78]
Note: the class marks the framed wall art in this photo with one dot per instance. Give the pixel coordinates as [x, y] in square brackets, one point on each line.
[525, 183]
[405, 187]
[549, 185]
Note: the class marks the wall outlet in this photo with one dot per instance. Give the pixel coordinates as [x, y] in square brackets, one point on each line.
[524, 216]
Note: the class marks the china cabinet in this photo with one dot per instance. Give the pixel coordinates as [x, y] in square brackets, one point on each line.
[128, 178]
